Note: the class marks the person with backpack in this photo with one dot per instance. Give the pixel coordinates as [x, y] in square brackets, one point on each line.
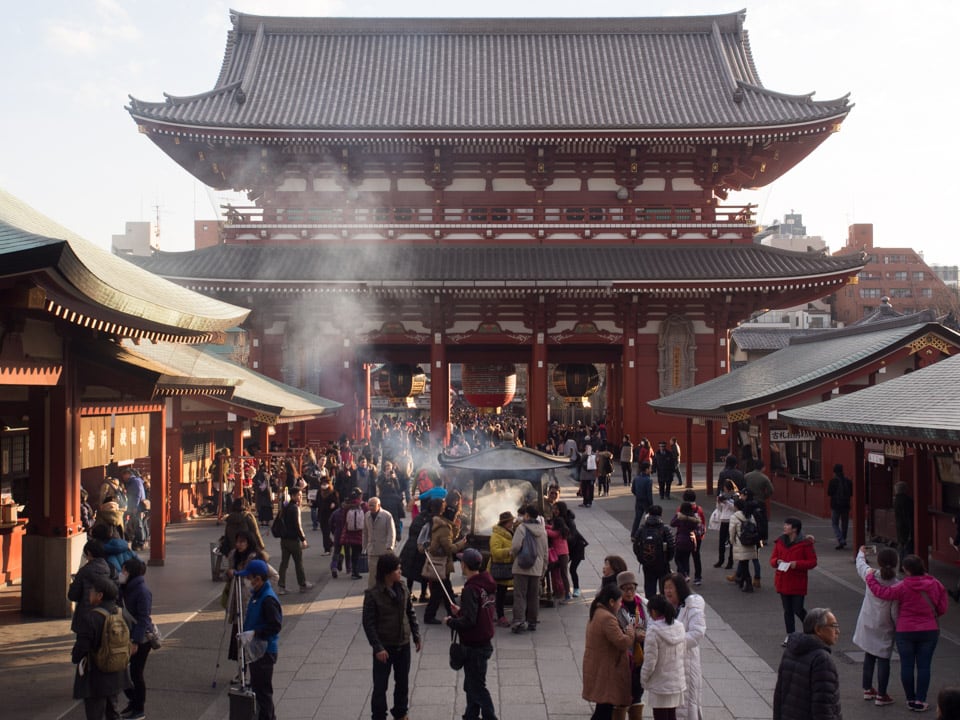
[101, 652]
[587, 469]
[412, 552]
[745, 537]
[529, 548]
[473, 620]
[351, 537]
[654, 547]
[840, 491]
[690, 496]
[138, 601]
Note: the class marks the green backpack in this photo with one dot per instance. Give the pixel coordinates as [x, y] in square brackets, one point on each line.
[113, 655]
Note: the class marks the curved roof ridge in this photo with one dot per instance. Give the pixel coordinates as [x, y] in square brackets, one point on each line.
[842, 102]
[171, 100]
[247, 23]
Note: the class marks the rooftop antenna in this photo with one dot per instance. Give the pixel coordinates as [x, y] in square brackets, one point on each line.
[156, 226]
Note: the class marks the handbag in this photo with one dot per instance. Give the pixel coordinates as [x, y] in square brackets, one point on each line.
[457, 654]
[154, 637]
[501, 571]
[363, 564]
[714, 522]
[434, 567]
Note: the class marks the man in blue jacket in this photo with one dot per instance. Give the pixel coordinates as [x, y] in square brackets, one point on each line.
[473, 619]
[264, 619]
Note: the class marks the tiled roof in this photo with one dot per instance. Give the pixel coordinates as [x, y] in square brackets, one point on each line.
[386, 263]
[756, 337]
[910, 407]
[804, 364]
[470, 74]
[79, 275]
[267, 397]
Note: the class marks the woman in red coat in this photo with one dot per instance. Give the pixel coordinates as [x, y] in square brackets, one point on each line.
[793, 557]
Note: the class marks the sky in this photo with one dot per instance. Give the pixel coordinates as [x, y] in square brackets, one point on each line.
[69, 149]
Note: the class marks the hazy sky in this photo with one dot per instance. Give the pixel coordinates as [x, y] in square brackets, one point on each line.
[68, 147]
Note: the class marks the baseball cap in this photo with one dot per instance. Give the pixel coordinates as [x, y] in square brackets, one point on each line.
[472, 558]
[254, 567]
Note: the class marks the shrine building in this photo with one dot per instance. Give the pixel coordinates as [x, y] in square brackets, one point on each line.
[545, 192]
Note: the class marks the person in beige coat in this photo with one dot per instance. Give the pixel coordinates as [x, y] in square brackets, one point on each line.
[379, 536]
[526, 580]
[606, 666]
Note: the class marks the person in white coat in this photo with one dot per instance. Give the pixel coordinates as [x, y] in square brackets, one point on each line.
[690, 612]
[876, 626]
[379, 535]
[664, 650]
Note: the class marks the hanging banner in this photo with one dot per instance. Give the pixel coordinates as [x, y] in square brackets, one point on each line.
[131, 437]
[787, 436]
[94, 441]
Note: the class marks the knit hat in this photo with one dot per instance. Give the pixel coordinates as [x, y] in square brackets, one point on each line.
[626, 578]
[505, 516]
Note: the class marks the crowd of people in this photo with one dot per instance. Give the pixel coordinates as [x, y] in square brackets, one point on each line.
[643, 630]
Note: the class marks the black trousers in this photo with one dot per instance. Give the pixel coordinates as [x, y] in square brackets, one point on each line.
[437, 596]
[137, 695]
[399, 662]
[261, 682]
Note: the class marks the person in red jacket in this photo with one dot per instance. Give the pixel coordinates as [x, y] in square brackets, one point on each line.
[793, 557]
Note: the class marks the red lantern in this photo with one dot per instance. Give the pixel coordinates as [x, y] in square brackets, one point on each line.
[489, 386]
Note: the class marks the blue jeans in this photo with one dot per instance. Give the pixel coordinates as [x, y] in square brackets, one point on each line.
[479, 702]
[399, 661]
[839, 520]
[916, 650]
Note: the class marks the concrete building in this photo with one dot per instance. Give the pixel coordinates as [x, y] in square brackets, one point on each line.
[135, 241]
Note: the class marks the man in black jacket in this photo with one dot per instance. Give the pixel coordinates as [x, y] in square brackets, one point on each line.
[473, 619]
[840, 491]
[808, 687]
[292, 544]
[389, 623]
[664, 463]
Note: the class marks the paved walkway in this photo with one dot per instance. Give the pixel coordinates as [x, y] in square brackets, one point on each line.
[324, 666]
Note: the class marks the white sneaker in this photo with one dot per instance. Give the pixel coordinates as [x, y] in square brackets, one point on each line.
[785, 641]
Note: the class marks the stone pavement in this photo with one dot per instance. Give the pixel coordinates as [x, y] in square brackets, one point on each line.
[324, 666]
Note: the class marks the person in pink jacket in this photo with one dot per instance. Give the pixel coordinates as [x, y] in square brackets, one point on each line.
[923, 599]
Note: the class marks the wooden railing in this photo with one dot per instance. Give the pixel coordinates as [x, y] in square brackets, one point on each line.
[550, 215]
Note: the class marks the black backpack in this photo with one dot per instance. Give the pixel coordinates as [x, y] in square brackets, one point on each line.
[749, 533]
[278, 527]
[648, 546]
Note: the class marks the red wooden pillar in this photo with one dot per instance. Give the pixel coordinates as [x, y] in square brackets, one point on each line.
[362, 425]
[923, 503]
[688, 439]
[439, 392]
[159, 505]
[859, 497]
[614, 403]
[709, 457]
[538, 411]
[630, 380]
[178, 511]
